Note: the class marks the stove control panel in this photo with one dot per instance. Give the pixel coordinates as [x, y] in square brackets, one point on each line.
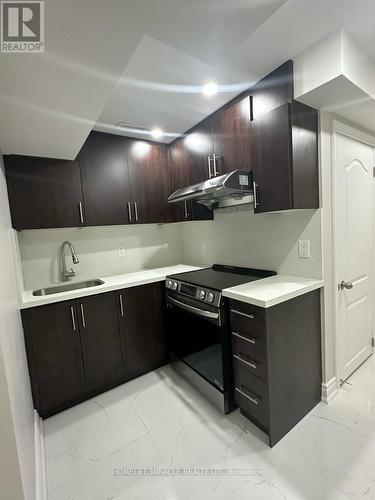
[212, 297]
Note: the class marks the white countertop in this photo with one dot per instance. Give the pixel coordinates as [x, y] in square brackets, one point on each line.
[110, 283]
[273, 290]
[264, 293]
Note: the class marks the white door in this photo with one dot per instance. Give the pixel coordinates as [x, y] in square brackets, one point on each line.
[354, 222]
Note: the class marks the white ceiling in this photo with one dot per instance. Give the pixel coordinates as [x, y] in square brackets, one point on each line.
[143, 63]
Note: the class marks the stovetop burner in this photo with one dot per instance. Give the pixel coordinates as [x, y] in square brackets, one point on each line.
[220, 276]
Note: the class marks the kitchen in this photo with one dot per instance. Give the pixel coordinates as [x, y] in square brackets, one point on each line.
[166, 306]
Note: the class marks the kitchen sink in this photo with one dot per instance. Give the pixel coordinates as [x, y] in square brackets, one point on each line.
[67, 287]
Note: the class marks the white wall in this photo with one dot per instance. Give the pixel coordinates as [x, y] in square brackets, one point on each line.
[266, 241]
[145, 246]
[16, 408]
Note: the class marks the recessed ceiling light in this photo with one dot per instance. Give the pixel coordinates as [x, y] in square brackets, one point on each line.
[209, 89]
[157, 133]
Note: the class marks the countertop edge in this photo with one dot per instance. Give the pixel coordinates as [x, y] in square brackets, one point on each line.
[157, 274]
[283, 297]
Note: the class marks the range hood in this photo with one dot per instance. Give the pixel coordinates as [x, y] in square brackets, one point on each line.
[224, 190]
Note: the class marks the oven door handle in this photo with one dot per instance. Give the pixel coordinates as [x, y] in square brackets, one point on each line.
[194, 310]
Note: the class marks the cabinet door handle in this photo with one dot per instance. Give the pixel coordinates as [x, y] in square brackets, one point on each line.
[249, 363]
[252, 341]
[81, 218]
[121, 305]
[214, 158]
[130, 212]
[255, 195]
[73, 317]
[250, 398]
[235, 311]
[209, 159]
[83, 316]
[186, 210]
[136, 211]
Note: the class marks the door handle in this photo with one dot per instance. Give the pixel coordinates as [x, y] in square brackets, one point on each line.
[255, 195]
[83, 316]
[121, 305]
[136, 211]
[73, 317]
[81, 218]
[345, 284]
[214, 158]
[186, 210]
[130, 212]
[209, 159]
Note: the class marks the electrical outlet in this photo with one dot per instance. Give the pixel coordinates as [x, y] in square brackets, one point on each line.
[204, 248]
[304, 249]
[121, 251]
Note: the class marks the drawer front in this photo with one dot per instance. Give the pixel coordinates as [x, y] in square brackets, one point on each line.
[248, 321]
[252, 360]
[251, 395]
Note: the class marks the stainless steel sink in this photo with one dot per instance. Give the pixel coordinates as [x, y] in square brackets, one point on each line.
[67, 287]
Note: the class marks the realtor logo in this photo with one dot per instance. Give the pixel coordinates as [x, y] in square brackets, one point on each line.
[22, 27]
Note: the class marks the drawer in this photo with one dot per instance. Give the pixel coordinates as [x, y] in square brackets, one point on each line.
[251, 395]
[252, 360]
[248, 321]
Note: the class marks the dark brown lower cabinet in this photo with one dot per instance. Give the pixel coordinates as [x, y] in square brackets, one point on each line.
[53, 345]
[277, 366]
[142, 328]
[100, 338]
[77, 349]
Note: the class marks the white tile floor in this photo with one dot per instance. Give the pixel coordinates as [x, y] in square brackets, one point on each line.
[159, 420]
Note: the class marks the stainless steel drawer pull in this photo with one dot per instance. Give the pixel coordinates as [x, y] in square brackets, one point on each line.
[252, 341]
[81, 212]
[83, 316]
[249, 363]
[73, 317]
[209, 159]
[121, 305]
[251, 316]
[250, 398]
[255, 194]
[130, 212]
[186, 210]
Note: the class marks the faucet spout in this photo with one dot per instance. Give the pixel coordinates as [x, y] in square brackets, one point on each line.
[67, 275]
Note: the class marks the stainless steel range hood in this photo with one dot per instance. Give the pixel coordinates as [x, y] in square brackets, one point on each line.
[223, 190]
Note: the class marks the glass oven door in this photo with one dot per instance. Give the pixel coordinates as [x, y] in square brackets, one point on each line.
[195, 336]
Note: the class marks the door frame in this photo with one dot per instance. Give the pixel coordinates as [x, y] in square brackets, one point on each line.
[340, 128]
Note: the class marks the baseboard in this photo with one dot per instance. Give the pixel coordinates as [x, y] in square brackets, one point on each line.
[330, 389]
[40, 461]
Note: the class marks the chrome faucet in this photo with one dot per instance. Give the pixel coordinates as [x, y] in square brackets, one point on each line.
[68, 275]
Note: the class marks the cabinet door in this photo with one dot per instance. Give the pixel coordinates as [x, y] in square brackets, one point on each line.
[179, 178]
[100, 339]
[149, 181]
[199, 145]
[231, 127]
[273, 90]
[105, 180]
[54, 354]
[272, 160]
[143, 334]
[44, 193]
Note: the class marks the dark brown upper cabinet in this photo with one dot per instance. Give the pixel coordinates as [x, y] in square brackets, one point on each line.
[231, 137]
[273, 90]
[285, 158]
[199, 147]
[101, 345]
[180, 170]
[141, 319]
[54, 354]
[105, 180]
[44, 193]
[148, 172]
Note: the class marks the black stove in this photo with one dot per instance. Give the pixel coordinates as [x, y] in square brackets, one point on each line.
[198, 326]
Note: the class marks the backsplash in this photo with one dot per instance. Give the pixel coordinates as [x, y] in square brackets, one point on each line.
[236, 237]
[97, 248]
[268, 241]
